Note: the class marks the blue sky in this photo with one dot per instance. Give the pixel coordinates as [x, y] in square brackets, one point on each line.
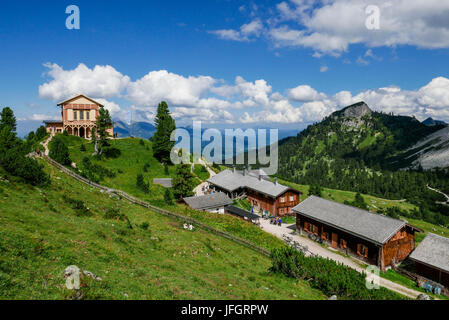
[235, 63]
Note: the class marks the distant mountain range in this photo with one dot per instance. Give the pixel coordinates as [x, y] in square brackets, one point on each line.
[140, 129]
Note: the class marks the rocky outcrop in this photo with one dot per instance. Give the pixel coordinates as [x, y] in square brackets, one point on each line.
[357, 110]
[352, 115]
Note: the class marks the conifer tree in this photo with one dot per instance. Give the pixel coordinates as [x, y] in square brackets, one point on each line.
[59, 151]
[165, 124]
[7, 118]
[168, 197]
[103, 123]
[183, 182]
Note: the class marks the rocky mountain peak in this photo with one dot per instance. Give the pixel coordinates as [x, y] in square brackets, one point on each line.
[357, 110]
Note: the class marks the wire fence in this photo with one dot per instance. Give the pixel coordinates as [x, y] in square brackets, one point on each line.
[142, 203]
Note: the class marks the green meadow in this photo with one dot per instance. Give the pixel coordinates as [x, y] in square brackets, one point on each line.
[139, 254]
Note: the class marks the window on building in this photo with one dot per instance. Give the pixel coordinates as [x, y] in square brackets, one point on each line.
[87, 114]
[75, 115]
[343, 244]
[362, 250]
[282, 199]
[281, 210]
[292, 198]
[81, 115]
[310, 228]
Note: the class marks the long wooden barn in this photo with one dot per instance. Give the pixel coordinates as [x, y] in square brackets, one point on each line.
[373, 238]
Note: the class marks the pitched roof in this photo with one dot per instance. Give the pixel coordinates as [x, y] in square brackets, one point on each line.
[165, 182]
[208, 201]
[241, 212]
[230, 181]
[372, 227]
[52, 121]
[433, 251]
[80, 95]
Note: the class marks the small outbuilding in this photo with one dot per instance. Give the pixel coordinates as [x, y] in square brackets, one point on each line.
[432, 258]
[214, 202]
[165, 182]
[241, 213]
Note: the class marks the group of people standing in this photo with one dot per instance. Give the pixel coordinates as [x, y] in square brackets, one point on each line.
[273, 220]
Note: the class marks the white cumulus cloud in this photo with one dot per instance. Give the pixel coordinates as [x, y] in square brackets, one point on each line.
[101, 81]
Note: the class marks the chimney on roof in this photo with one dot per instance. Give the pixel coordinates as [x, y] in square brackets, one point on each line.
[260, 176]
[244, 171]
[233, 169]
[276, 181]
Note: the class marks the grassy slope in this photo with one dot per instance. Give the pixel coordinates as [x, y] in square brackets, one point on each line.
[40, 235]
[132, 159]
[200, 172]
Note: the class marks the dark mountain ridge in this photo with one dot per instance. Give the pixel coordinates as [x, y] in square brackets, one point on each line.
[361, 150]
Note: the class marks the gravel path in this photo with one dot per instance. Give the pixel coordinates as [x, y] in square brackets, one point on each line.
[198, 190]
[45, 144]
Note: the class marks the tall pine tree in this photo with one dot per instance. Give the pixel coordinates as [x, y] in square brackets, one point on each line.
[165, 124]
[183, 183]
[7, 118]
[103, 123]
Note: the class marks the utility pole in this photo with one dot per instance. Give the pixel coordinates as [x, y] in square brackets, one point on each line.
[131, 125]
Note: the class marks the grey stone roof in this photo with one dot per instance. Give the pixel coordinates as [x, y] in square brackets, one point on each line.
[241, 212]
[230, 181]
[372, 227]
[433, 251]
[165, 182]
[208, 201]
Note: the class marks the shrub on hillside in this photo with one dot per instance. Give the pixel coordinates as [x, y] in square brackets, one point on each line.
[41, 132]
[59, 151]
[326, 275]
[315, 190]
[115, 214]
[145, 225]
[82, 147]
[95, 172]
[141, 184]
[78, 206]
[168, 197]
[17, 164]
[111, 152]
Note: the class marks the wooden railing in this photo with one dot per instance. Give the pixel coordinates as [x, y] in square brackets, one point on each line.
[164, 212]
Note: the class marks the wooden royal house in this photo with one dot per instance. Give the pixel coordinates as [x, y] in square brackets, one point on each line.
[373, 238]
[265, 195]
[78, 117]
